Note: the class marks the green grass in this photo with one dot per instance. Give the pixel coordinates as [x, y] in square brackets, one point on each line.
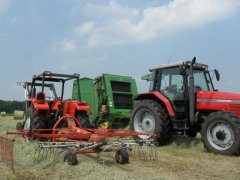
[184, 158]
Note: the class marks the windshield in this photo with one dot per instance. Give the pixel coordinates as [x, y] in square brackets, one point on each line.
[172, 83]
[202, 80]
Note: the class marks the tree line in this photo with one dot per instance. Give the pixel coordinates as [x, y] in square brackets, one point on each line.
[10, 106]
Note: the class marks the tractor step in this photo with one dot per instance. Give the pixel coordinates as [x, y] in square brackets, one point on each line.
[180, 124]
[180, 136]
[181, 128]
[179, 133]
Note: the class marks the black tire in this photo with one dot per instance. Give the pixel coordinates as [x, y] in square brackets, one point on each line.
[19, 126]
[38, 122]
[122, 156]
[221, 133]
[160, 121]
[83, 118]
[71, 158]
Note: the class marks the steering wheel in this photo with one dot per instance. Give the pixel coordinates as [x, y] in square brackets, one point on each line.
[197, 88]
[50, 98]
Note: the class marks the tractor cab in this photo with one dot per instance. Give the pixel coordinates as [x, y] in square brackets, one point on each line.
[173, 81]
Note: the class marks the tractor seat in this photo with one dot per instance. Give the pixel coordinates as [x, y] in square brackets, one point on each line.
[40, 97]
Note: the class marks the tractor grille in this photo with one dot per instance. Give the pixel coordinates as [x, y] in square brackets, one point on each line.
[235, 108]
[120, 86]
[122, 101]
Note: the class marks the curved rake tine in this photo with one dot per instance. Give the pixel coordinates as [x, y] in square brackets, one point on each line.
[38, 152]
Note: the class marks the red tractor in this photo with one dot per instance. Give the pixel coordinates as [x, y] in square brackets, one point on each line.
[44, 107]
[182, 101]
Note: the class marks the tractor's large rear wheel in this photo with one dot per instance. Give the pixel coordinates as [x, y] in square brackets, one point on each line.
[38, 122]
[150, 117]
[221, 133]
[83, 118]
[34, 121]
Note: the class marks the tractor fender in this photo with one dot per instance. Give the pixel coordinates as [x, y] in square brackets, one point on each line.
[72, 106]
[155, 95]
[83, 106]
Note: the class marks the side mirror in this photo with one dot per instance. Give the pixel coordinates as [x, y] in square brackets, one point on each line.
[217, 74]
[194, 60]
[148, 77]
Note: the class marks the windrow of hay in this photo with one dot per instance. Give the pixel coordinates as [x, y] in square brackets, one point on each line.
[18, 114]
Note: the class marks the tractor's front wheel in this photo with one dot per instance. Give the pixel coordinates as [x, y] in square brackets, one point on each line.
[150, 117]
[221, 133]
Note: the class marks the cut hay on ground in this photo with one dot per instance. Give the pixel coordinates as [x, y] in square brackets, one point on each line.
[184, 158]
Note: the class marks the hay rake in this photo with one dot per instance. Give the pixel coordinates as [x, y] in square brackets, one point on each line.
[74, 139]
[106, 150]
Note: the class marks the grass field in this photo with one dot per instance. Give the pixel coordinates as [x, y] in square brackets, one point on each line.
[184, 158]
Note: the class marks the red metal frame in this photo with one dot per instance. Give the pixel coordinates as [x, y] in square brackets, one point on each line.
[70, 107]
[74, 131]
[78, 135]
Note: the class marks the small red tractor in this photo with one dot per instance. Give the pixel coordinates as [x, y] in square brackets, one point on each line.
[43, 111]
[182, 101]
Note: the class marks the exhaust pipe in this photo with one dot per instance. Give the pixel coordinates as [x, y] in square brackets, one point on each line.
[191, 94]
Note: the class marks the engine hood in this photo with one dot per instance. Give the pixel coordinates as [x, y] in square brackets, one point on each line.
[218, 101]
[215, 95]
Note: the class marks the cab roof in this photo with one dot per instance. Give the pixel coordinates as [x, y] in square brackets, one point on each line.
[181, 63]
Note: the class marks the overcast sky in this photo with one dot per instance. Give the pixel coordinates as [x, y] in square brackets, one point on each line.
[124, 37]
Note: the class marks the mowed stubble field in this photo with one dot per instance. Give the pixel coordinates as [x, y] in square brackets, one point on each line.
[183, 158]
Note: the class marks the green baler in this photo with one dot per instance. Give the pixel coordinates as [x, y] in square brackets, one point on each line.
[110, 97]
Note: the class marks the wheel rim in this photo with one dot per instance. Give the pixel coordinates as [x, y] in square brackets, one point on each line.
[144, 121]
[118, 156]
[220, 136]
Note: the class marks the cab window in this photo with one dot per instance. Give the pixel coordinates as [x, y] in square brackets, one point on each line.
[171, 83]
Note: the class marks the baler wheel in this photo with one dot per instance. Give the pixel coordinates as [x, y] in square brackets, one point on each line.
[122, 156]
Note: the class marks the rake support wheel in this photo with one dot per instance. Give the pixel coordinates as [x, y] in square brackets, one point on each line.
[122, 156]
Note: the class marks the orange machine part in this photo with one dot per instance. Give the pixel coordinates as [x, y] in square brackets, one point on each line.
[96, 138]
